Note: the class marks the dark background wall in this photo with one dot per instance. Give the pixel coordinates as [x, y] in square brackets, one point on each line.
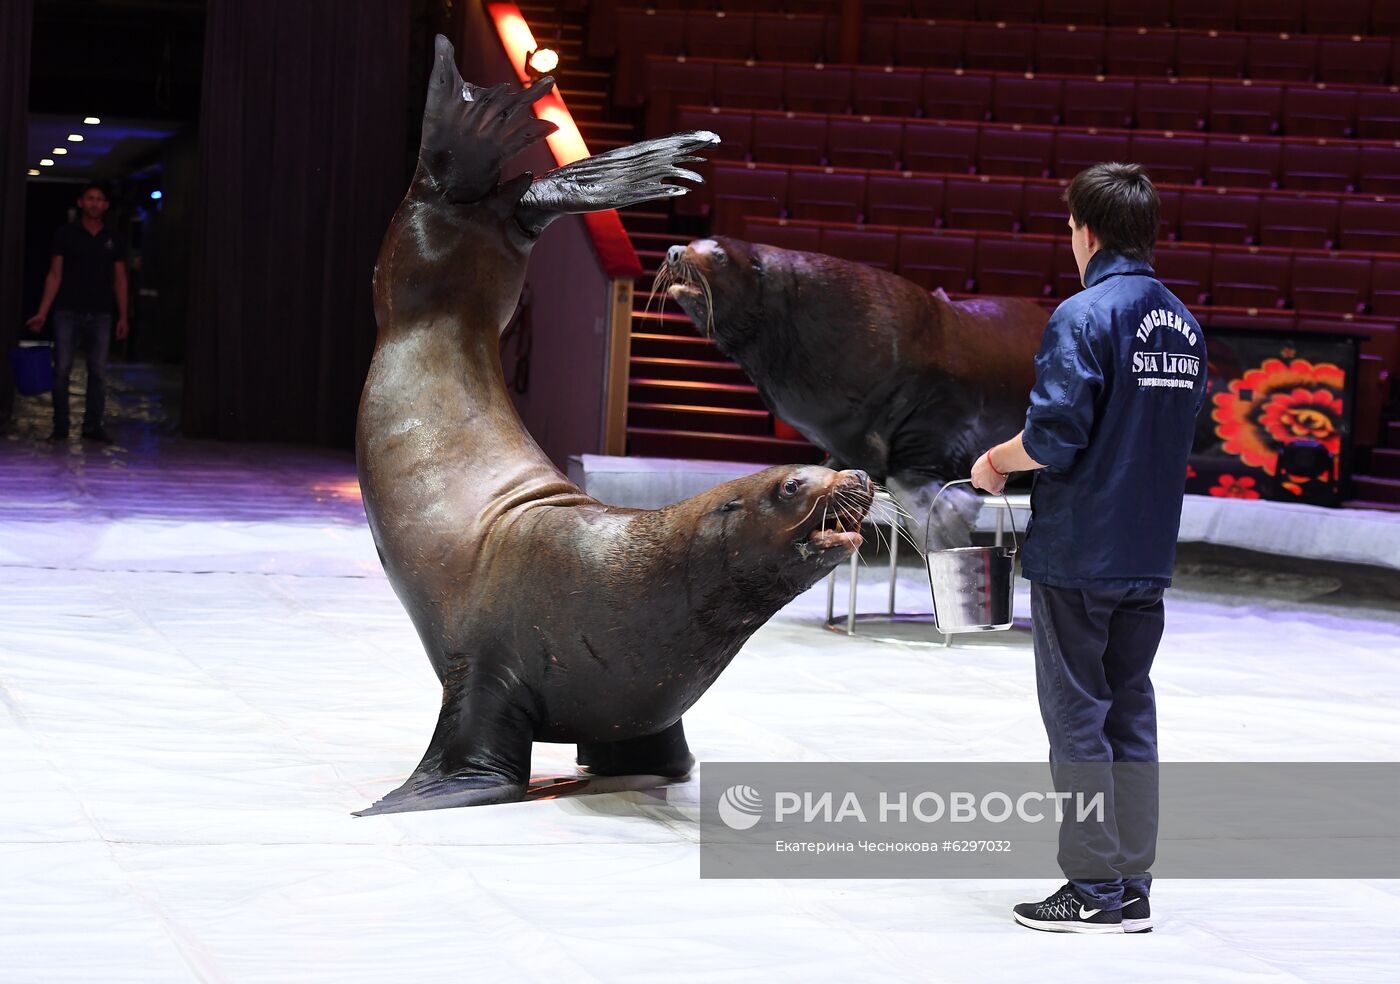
[15, 30]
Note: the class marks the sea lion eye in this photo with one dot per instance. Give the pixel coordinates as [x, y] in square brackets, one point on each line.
[790, 488]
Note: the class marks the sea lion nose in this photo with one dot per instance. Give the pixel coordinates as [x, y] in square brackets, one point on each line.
[862, 475]
[674, 254]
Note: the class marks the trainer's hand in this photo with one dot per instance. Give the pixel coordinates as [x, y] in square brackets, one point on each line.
[121, 328]
[36, 323]
[985, 477]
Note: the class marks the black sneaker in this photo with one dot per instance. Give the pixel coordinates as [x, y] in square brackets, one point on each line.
[1065, 912]
[1137, 914]
[57, 437]
[99, 435]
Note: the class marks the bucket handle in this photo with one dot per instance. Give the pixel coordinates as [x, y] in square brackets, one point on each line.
[1011, 514]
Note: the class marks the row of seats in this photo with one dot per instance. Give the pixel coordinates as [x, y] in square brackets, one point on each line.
[1029, 265]
[1292, 16]
[925, 201]
[1005, 47]
[1297, 109]
[884, 143]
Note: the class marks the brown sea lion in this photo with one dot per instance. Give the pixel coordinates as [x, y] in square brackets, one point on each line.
[546, 614]
[870, 367]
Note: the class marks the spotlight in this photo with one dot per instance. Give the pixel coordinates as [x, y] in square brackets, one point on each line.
[33, 171]
[46, 162]
[541, 62]
[91, 120]
[59, 151]
[156, 195]
[75, 138]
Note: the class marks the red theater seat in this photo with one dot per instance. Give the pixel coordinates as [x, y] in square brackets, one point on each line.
[1245, 107]
[944, 9]
[1385, 288]
[1217, 215]
[1244, 161]
[740, 86]
[932, 145]
[1385, 17]
[1027, 99]
[1331, 283]
[937, 259]
[1325, 165]
[877, 41]
[1354, 60]
[747, 190]
[1026, 11]
[957, 97]
[1174, 159]
[1336, 16]
[999, 47]
[927, 45]
[796, 37]
[1216, 15]
[1185, 269]
[641, 33]
[1066, 282]
[903, 199]
[1283, 57]
[877, 247]
[1169, 200]
[1140, 13]
[861, 141]
[1272, 16]
[1171, 105]
[674, 82]
[1078, 11]
[816, 89]
[1380, 169]
[1015, 150]
[1298, 220]
[826, 196]
[983, 204]
[1217, 56]
[1140, 52]
[717, 34]
[1378, 113]
[1098, 102]
[1370, 224]
[735, 129]
[806, 238]
[1070, 50]
[1318, 111]
[1074, 151]
[1043, 210]
[1250, 277]
[786, 139]
[887, 91]
[1015, 266]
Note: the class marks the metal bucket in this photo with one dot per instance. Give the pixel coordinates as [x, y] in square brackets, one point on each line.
[972, 587]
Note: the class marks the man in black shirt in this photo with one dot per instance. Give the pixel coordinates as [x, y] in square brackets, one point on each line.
[87, 274]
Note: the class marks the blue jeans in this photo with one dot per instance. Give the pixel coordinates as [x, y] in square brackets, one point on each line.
[1093, 651]
[94, 333]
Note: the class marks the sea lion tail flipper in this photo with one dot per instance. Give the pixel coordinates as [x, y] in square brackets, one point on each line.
[469, 133]
[636, 173]
[662, 754]
[479, 754]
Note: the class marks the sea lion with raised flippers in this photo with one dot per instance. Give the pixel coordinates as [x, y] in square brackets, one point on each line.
[546, 614]
[870, 367]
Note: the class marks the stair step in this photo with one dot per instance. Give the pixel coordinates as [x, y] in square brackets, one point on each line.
[663, 237]
[1366, 504]
[719, 447]
[696, 370]
[708, 396]
[662, 322]
[684, 417]
[603, 126]
[1372, 488]
[660, 346]
[1392, 432]
[1385, 462]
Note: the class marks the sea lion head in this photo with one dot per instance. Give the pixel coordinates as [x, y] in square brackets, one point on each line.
[720, 283]
[785, 528]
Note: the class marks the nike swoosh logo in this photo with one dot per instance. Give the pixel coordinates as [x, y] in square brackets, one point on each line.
[1128, 902]
[1088, 913]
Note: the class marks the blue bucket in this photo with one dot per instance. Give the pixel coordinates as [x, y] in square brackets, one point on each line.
[33, 366]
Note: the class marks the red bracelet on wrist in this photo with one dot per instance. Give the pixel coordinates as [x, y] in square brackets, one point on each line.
[999, 474]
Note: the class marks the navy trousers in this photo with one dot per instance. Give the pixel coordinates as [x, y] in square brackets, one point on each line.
[93, 333]
[1093, 652]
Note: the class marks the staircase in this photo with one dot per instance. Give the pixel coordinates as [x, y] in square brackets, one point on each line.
[685, 398]
[1379, 488]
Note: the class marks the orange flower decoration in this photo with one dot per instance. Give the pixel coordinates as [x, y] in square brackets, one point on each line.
[1279, 403]
[1230, 487]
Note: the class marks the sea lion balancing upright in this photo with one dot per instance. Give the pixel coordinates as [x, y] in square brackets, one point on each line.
[547, 615]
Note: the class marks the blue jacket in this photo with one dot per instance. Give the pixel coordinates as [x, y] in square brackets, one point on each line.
[1120, 378]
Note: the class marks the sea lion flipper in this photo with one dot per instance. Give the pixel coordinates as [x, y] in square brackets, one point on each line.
[626, 176]
[662, 754]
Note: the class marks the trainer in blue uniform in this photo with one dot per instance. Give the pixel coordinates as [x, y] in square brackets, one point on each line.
[1120, 378]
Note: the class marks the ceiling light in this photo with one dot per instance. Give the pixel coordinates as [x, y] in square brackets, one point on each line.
[75, 138]
[46, 162]
[156, 195]
[91, 120]
[33, 171]
[542, 61]
[60, 151]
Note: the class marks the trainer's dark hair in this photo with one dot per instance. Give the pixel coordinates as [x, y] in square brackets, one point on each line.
[1118, 202]
[95, 184]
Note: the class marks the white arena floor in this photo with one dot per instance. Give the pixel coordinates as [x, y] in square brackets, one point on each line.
[203, 671]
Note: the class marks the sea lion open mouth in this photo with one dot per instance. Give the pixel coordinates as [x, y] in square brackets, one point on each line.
[837, 515]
